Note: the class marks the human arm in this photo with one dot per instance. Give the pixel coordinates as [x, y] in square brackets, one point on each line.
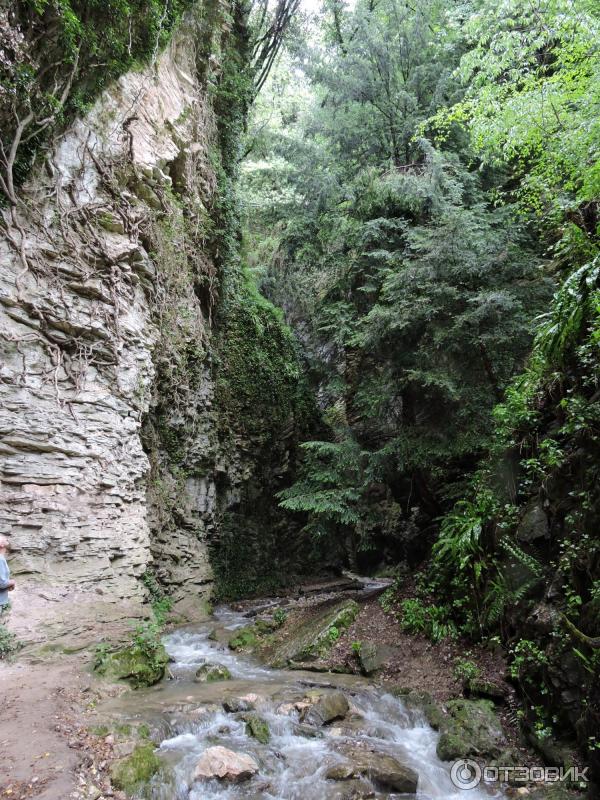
[5, 581]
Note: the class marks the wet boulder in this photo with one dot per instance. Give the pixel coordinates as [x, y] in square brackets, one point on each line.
[140, 665]
[327, 709]
[225, 765]
[356, 789]
[246, 702]
[288, 709]
[312, 639]
[257, 728]
[382, 769]
[244, 639]
[307, 731]
[210, 673]
[422, 702]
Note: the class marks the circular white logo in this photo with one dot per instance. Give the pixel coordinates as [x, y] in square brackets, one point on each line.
[465, 774]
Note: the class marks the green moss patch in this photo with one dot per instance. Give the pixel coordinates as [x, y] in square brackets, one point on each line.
[244, 639]
[313, 638]
[211, 673]
[139, 666]
[258, 729]
[133, 773]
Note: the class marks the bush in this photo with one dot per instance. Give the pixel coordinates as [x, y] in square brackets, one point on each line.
[466, 670]
[8, 643]
[279, 617]
[432, 621]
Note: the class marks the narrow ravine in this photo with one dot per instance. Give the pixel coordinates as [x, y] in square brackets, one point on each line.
[188, 717]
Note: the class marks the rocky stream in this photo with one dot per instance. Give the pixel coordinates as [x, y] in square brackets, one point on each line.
[277, 734]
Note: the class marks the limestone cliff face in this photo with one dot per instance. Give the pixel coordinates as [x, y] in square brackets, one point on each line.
[108, 290]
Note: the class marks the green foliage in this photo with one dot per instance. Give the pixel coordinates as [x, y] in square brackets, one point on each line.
[561, 376]
[460, 558]
[333, 634]
[525, 654]
[9, 644]
[438, 175]
[142, 662]
[162, 604]
[431, 620]
[389, 598]
[244, 639]
[259, 377]
[466, 670]
[531, 90]
[414, 293]
[329, 488]
[575, 306]
[279, 617]
[146, 639]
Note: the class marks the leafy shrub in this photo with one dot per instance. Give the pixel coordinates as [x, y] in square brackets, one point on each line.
[433, 621]
[526, 655]
[8, 643]
[333, 634]
[466, 670]
[161, 602]
[279, 617]
[390, 597]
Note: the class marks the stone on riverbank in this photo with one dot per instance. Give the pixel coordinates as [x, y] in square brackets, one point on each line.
[139, 666]
[210, 673]
[246, 702]
[471, 728]
[130, 774]
[372, 656]
[312, 639]
[244, 639]
[421, 701]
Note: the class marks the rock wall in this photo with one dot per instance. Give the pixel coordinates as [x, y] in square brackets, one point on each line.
[96, 297]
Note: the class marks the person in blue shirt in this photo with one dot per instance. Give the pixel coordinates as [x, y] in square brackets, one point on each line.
[6, 585]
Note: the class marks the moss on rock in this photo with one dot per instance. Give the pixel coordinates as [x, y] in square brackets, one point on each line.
[211, 673]
[244, 639]
[131, 774]
[258, 729]
[312, 639]
[422, 701]
[471, 728]
[137, 664]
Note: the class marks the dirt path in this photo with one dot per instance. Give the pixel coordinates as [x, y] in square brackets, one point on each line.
[39, 703]
[48, 696]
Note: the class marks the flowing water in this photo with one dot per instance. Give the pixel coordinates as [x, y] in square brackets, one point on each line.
[189, 718]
